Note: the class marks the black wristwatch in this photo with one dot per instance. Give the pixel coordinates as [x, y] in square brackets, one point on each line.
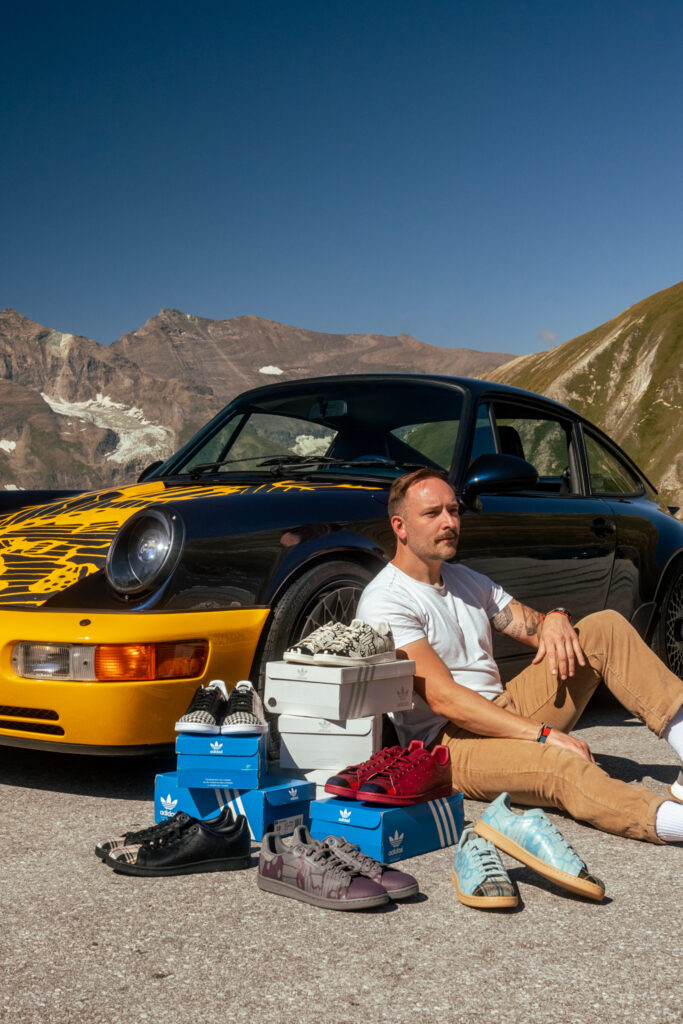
[563, 611]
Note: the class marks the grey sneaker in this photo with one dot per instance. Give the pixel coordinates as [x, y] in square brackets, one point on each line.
[398, 884]
[360, 644]
[478, 875]
[308, 871]
[306, 649]
[206, 709]
[676, 788]
[244, 710]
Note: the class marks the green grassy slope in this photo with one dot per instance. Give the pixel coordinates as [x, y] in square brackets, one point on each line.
[627, 377]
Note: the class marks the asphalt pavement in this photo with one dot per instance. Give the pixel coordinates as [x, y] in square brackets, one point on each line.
[81, 944]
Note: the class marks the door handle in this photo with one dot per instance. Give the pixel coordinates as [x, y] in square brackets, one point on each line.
[603, 527]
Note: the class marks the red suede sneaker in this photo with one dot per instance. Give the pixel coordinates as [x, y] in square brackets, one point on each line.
[414, 776]
[346, 782]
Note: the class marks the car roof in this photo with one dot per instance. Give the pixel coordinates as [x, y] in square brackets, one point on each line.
[474, 385]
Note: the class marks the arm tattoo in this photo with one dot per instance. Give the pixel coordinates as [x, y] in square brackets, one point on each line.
[532, 620]
[502, 619]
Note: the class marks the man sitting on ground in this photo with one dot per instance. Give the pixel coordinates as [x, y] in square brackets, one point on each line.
[515, 739]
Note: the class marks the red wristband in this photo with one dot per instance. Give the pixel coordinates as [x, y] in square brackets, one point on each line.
[544, 733]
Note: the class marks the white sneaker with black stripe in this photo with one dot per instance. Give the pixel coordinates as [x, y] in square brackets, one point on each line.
[244, 712]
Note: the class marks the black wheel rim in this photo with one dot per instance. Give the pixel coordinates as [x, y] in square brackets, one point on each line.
[335, 603]
[673, 627]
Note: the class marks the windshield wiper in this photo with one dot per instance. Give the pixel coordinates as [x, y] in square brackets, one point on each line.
[279, 463]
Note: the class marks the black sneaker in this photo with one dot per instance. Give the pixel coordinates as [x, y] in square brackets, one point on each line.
[188, 850]
[244, 711]
[174, 824]
[206, 709]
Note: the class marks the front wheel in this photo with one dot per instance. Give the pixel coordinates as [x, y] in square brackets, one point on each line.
[667, 641]
[328, 592]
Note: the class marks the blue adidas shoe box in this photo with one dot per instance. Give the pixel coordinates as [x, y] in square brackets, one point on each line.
[281, 804]
[237, 761]
[390, 833]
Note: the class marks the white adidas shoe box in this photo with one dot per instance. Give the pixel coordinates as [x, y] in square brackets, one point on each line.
[309, 743]
[338, 692]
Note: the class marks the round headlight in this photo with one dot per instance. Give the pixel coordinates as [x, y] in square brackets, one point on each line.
[145, 551]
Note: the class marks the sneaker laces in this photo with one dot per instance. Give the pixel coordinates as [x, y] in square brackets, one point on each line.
[380, 757]
[241, 700]
[362, 861]
[334, 865]
[202, 700]
[402, 764]
[152, 831]
[555, 834]
[490, 862]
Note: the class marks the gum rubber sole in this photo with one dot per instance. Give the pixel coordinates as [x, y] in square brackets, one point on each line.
[579, 886]
[404, 801]
[483, 902]
[227, 864]
[283, 889]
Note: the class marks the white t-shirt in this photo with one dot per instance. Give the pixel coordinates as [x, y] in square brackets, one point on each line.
[453, 617]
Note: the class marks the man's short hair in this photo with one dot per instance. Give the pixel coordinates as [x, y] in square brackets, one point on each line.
[401, 484]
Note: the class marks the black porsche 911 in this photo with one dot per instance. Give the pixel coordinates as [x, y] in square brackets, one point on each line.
[116, 604]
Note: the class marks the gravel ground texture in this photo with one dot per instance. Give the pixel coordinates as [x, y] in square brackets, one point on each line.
[82, 944]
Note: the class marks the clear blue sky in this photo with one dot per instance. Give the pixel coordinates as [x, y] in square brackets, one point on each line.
[496, 174]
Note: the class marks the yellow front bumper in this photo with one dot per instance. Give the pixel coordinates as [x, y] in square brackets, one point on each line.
[115, 715]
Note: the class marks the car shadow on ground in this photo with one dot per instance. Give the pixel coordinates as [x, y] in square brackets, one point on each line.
[125, 778]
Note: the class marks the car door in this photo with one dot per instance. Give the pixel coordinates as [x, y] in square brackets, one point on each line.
[550, 546]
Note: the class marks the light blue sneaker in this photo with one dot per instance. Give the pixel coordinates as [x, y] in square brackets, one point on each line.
[532, 838]
[479, 878]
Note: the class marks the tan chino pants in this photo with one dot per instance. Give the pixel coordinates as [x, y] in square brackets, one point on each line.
[540, 774]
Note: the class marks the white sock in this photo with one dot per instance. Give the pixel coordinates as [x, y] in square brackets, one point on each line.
[673, 733]
[669, 821]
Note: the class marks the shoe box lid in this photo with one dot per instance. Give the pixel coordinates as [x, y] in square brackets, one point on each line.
[217, 745]
[280, 804]
[337, 701]
[390, 833]
[298, 724]
[339, 673]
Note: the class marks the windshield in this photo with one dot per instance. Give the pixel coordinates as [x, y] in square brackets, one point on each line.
[327, 427]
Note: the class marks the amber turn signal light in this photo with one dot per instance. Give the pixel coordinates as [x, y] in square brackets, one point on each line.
[130, 662]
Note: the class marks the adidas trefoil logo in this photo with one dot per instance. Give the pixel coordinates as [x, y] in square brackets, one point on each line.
[302, 672]
[217, 747]
[323, 725]
[168, 803]
[404, 693]
[396, 839]
[293, 794]
[345, 815]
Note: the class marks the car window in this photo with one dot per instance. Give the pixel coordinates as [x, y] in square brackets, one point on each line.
[434, 440]
[542, 439]
[264, 434]
[608, 474]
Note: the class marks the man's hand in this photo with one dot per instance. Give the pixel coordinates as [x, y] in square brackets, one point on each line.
[557, 738]
[559, 642]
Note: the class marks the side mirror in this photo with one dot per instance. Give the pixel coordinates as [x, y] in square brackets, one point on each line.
[496, 474]
[148, 470]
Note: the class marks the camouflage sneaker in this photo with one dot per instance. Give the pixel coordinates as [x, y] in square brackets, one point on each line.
[360, 644]
[308, 871]
[532, 839]
[398, 884]
[306, 649]
[479, 877]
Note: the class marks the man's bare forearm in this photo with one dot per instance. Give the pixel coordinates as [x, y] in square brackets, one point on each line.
[519, 622]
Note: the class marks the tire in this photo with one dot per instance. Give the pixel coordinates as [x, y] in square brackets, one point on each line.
[667, 641]
[328, 591]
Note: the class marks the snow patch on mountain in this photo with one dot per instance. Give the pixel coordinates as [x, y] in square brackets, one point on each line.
[305, 444]
[8, 446]
[136, 436]
[273, 370]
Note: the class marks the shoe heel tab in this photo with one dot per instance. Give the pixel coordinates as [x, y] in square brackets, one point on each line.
[441, 754]
[415, 745]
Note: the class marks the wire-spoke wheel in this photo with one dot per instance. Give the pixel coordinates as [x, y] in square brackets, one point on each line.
[328, 592]
[668, 638]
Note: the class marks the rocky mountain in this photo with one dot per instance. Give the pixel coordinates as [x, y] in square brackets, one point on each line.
[78, 414]
[627, 377]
